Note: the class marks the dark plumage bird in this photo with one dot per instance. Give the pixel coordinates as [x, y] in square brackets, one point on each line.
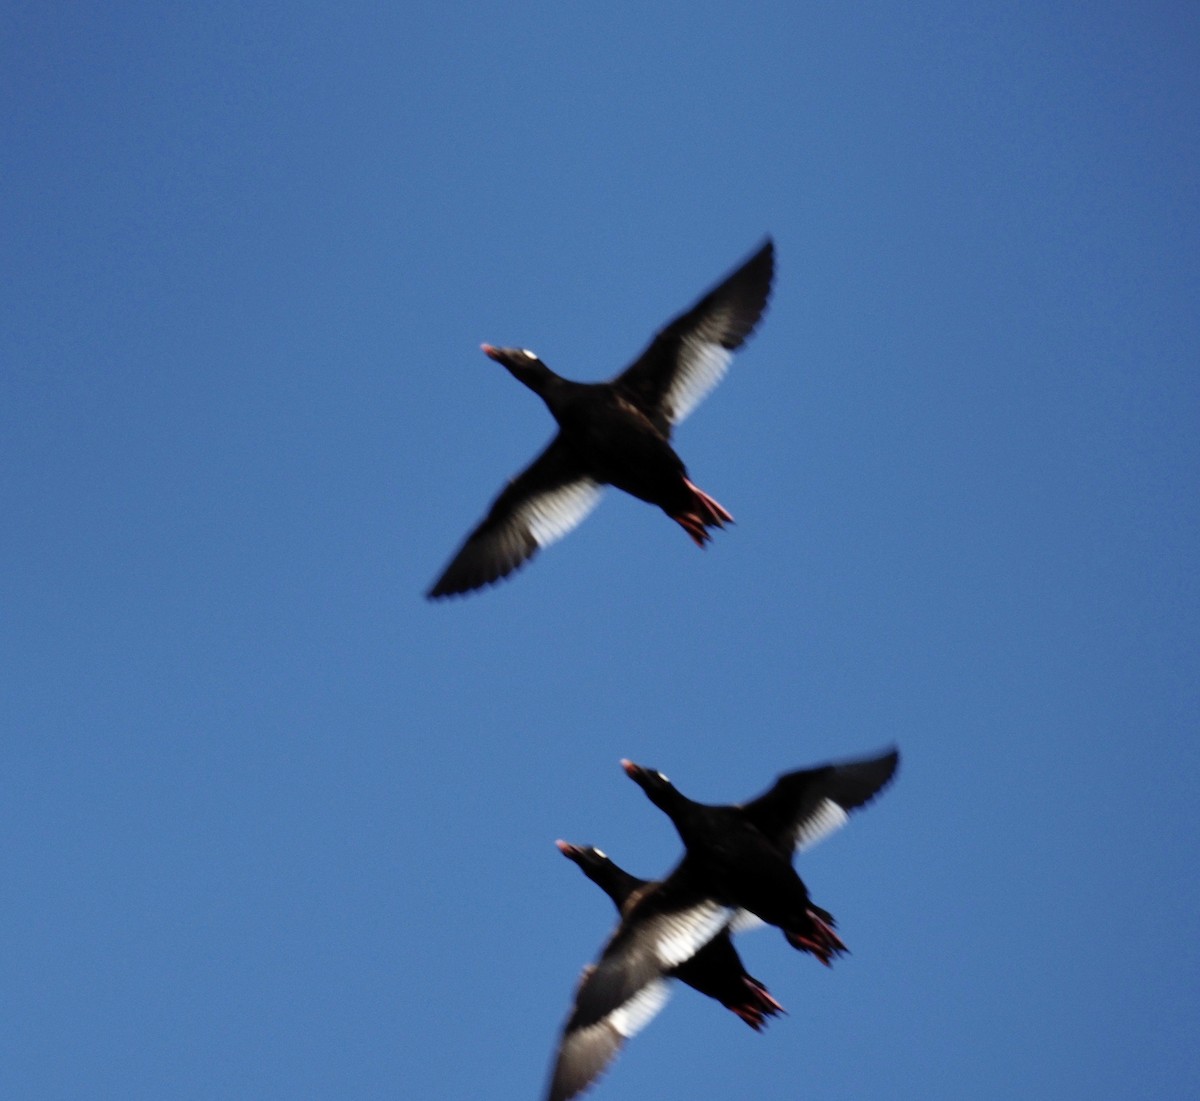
[709, 894]
[741, 856]
[661, 929]
[615, 433]
[716, 970]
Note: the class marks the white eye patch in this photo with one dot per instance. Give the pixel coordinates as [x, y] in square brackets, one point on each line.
[528, 353]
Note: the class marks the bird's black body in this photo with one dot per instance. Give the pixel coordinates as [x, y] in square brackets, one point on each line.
[737, 859]
[622, 448]
[741, 855]
[740, 867]
[716, 970]
[664, 927]
[608, 434]
[615, 433]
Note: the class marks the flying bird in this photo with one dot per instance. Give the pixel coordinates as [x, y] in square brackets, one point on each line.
[661, 929]
[741, 855]
[716, 970]
[615, 433]
[668, 928]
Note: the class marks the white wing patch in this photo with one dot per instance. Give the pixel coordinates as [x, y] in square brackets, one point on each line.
[827, 817]
[702, 364]
[550, 515]
[586, 1052]
[630, 1018]
[744, 921]
[679, 936]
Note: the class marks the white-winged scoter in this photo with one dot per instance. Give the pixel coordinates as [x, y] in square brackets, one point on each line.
[715, 971]
[740, 856]
[705, 898]
[663, 927]
[615, 433]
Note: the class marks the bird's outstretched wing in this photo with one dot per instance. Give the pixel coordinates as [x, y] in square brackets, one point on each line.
[689, 356]
[541, 504]
[803, 807]
[619, 994]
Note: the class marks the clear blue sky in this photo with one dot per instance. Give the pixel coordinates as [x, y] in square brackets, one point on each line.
[273, 826]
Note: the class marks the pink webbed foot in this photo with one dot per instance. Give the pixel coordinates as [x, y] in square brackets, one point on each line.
[820, 940]
[718, 515]
[705, 513]
[751, 1014]
[758, 1005]
[694, 526]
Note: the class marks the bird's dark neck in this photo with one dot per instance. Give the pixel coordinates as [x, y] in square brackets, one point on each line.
[615, 882]
[537, 376]
[557, 392]
[682, 812]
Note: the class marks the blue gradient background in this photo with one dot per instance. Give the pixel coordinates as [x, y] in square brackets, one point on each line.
[275, 827]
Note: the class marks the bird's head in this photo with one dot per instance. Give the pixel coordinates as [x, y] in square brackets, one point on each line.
[586, 856]
[657, 787]
[617, 883]
[521, 363]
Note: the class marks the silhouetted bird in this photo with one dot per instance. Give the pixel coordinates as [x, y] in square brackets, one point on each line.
[741, 856]
[716, 970]
[615, 433]
[708, 895]
[622, 991]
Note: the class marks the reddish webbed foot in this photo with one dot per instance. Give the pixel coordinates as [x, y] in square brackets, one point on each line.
[820, 939]
[751, 1014]
[758, 1005]
[716, 514]
[703, 514]
[768, 1004]
[695, 527]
